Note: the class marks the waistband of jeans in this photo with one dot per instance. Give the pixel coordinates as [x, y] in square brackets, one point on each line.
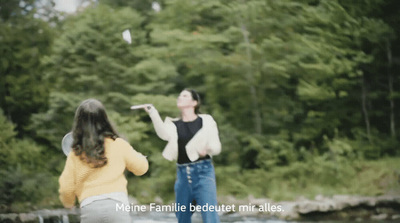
[194, 163]
[117, 196]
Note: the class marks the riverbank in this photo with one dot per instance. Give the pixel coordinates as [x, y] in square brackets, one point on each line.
[312, 178]
[290, 193]
[335, 208]
[338, 207]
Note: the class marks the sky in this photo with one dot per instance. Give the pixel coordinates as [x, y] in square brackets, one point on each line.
[66, 5]
[71, 5]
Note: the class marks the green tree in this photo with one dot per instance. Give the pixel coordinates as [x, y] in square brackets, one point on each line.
[24, 39]
[22, 171]
[91, 59]
[380, 77]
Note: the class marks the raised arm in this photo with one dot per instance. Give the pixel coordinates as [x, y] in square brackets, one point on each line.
[162, 129]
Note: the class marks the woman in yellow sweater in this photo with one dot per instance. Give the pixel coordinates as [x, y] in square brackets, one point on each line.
[94, 170]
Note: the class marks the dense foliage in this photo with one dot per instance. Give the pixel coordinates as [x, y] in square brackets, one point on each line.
[303, 91]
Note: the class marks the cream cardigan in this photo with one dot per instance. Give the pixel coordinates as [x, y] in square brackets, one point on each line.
[205, 139]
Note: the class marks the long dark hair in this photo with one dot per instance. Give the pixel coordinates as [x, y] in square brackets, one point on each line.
[195, 97]
[91, 126]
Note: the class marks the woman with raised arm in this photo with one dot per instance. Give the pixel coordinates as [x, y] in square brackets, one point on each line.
[94, 170]
[192, 141]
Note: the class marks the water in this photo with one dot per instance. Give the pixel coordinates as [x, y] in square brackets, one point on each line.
[165, 217]
[72, 216]
[162, 217]
[155, 217]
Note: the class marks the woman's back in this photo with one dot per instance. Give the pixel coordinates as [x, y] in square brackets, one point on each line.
[89, 181]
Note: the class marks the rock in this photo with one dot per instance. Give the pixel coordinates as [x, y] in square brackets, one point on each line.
[28, 217]
[258, 201]
[230, 200]
[289, 211]
[319, 197]
[227, 199]
[343, 201]
[338, 207]
[396, 216]
[158, 200]
[379, 217]
[8, 217]
[132, 200]
[307, 207]
[301, 198]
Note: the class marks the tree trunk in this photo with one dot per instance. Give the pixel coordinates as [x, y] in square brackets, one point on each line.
[251, 81]
[390, 83]
[364, 108]
[4, 93]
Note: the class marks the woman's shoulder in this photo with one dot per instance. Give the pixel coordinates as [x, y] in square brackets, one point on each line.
[118, 142]
[206, 117]
[169, 119]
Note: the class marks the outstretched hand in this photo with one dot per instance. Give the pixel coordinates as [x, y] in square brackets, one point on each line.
[148, 107]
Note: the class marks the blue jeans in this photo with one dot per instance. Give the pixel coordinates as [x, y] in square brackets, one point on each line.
[196, 183]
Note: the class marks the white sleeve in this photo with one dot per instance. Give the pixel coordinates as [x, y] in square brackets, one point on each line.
[160, 127]
[214, 143]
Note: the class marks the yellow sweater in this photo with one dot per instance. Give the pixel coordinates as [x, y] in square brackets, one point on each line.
[80, 180]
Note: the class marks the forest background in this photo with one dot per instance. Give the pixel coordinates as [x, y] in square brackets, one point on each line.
[305, 92]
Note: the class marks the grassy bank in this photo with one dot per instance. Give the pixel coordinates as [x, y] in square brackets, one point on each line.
[301, 179]
[308, 179]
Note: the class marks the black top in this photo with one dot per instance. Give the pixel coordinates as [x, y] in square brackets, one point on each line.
[186, 131]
